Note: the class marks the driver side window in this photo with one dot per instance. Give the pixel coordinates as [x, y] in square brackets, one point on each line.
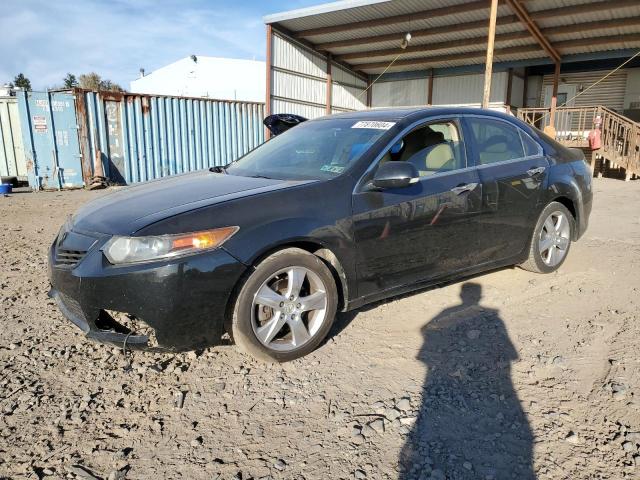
[433, 148]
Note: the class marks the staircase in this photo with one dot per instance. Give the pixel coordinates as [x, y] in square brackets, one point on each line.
[619, 154]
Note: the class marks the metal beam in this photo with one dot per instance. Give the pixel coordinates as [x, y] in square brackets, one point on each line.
[530, 25]
[427, 32]
[431, 47]
[329, 84]
[602, 6]
[267, 97]
[489, 62]
[525, 87]
[554, 101]
[600, 42]
[509, 86]
[590, 8]
[394, 19]
[603, 41]
[598, 25]
[503, 66]
[429, 60]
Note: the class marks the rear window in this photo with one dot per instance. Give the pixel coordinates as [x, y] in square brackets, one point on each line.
[531, 147]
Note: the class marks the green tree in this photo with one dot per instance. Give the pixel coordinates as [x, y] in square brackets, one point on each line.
[22, 82]
[90, 81]
[70, 81]
[93, 81]
[111, 86]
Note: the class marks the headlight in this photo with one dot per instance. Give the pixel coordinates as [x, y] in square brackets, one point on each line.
[143, 249]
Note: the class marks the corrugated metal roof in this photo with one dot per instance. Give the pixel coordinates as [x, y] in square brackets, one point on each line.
[318, 9]
[347, 14]
[470, 22]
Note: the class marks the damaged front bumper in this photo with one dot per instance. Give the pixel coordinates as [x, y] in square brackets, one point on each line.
[113, 333]
[173, 305]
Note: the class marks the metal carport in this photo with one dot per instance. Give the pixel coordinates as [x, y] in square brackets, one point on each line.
[321, 59]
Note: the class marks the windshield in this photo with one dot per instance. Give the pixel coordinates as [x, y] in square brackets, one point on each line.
[313, 150]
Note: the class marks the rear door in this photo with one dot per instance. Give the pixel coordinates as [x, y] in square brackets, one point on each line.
[512, 169]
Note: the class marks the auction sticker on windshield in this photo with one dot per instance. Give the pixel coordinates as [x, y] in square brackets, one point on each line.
[332, 169]
[374, 125]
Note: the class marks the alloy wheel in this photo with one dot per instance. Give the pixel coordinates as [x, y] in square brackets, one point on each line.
[554, 238]
[289, 308]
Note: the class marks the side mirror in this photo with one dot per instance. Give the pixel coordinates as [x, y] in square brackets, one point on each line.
[395, 175]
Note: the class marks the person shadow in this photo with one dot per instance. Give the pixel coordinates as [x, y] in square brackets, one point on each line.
[470, 423]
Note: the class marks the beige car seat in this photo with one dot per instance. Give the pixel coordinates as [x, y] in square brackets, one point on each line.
[436, 155]
[439, 157]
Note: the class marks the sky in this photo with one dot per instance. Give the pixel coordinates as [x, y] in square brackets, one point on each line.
[45, 39]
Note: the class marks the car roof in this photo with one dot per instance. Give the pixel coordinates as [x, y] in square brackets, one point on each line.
[414, 113]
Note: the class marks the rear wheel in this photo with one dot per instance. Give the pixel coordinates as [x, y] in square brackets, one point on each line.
[286, 307]
[551, 239]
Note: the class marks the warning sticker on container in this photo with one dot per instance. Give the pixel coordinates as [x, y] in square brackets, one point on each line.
[40, 123]
[374, 125]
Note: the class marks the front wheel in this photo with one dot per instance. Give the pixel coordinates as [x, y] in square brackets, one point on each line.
[551, 239]
[286, 307]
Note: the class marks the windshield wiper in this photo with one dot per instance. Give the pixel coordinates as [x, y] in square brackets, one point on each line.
[218, 169]
[259, 176]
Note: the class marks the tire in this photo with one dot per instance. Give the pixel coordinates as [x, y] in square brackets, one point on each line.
[549, 260]
[275, 330]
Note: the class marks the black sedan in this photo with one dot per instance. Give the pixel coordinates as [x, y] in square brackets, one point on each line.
[332, 214]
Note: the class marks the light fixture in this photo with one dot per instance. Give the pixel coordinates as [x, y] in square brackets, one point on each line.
[405, 41]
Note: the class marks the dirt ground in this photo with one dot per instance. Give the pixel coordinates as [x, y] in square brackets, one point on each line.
[505, 375]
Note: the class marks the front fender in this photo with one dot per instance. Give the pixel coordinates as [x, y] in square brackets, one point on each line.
[314, 213]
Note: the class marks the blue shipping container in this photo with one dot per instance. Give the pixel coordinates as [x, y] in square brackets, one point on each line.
[128, 137]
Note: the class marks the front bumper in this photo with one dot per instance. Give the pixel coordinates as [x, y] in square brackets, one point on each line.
[183, 301]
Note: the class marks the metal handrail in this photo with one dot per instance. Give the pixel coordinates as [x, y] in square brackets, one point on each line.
[620, 136]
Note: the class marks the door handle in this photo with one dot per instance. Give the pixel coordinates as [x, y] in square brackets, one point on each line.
[467, 187]
[535, 171]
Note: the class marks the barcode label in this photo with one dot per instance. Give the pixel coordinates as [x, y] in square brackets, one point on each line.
[374, 125]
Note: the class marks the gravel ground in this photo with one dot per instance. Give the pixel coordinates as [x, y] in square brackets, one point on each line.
[505, 375]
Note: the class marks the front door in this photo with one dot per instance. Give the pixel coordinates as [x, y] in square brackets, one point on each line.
[512, 169]
[428, 229]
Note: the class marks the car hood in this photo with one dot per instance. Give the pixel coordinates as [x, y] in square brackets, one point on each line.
[129, 209]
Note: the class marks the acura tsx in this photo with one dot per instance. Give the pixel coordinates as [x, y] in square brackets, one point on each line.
[330, 215]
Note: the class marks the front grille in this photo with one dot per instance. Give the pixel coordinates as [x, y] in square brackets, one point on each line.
[69, 258]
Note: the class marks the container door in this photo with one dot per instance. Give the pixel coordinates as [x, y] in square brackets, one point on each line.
[50, 134]
[66, 139]
[12, 160]
[114, 137]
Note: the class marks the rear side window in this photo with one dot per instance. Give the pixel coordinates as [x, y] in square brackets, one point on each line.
[496, 141]
[531, 147]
